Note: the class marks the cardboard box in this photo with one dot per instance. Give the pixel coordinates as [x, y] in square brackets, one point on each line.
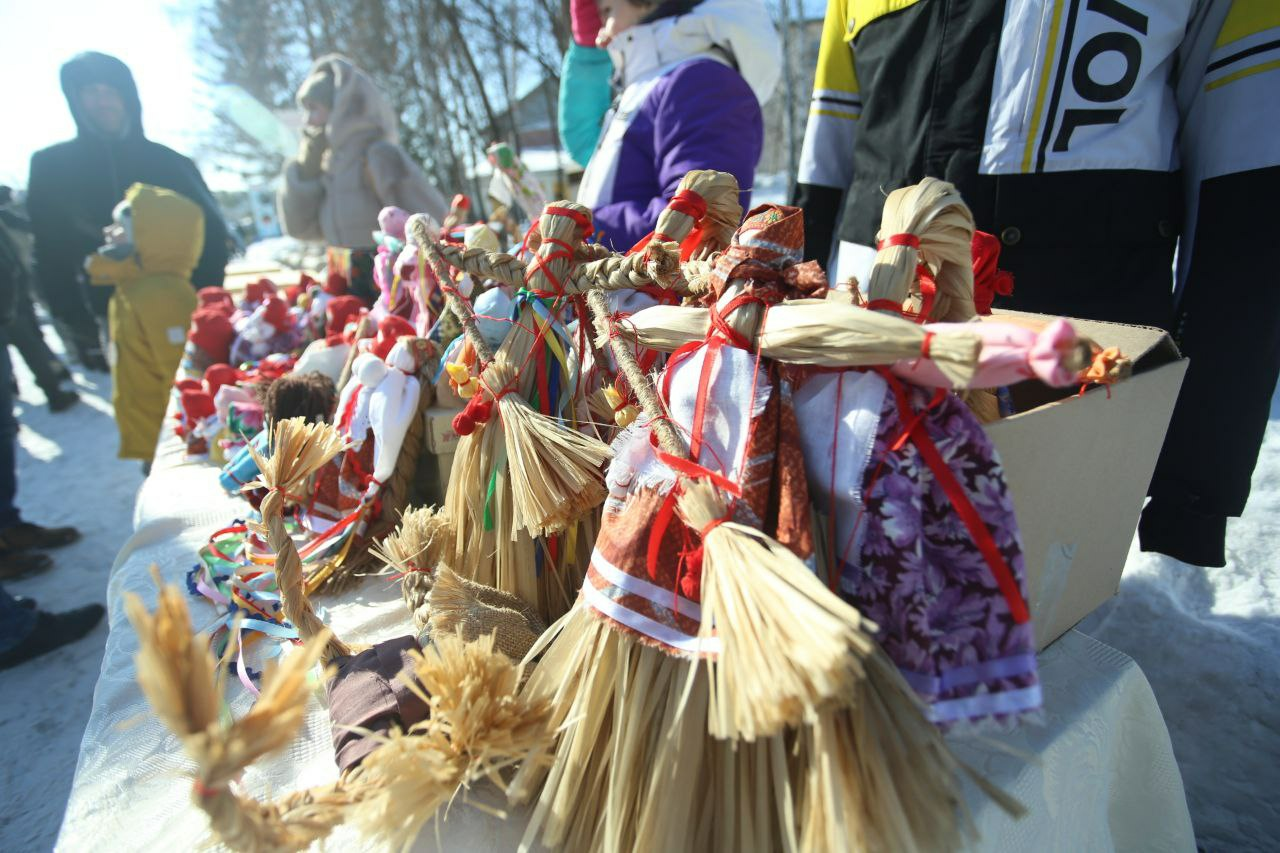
[1078, 468]
[441, 439]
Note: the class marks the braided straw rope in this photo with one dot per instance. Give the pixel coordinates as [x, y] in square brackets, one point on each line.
[661, 267]
[658, 264]
[297, 450]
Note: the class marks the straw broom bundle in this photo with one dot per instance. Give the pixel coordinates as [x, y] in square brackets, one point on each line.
[298, 449]
[490, 547]
[478, 726]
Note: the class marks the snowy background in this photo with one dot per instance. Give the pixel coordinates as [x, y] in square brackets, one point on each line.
[1208, 639]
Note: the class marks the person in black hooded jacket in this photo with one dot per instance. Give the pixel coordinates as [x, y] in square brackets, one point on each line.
[74, 186]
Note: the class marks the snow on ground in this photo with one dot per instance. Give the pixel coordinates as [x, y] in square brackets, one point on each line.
[1209, 643]
[68, 473]
[1206, 638]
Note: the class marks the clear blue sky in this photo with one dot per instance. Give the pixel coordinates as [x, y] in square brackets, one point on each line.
[155, 39]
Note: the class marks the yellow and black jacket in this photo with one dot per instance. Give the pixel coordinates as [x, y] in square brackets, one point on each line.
[1090, 135]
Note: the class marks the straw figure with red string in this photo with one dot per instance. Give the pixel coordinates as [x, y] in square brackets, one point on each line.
[474, 516]
[699, 221]
[412, 724]
[916, 522]
[710, 691]
[525, 480]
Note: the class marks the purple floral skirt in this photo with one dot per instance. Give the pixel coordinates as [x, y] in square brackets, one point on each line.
[918, 574]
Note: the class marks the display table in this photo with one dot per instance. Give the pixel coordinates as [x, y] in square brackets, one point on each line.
[1098, 774]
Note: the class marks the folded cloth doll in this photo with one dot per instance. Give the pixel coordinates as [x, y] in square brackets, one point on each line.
[271, 328]
[198, 421]
[373, 415]
[254, 293]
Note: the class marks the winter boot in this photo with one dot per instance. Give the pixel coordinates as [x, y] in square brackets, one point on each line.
[24, 536]
[14, 565]
[53, 630]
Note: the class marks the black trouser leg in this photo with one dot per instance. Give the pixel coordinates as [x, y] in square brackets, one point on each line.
[1229, 326]
[27, 337]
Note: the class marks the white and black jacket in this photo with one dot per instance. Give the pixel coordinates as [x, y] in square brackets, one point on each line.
[1096, 138]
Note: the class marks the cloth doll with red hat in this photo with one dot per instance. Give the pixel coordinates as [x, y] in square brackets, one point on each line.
[208, 340]
[294, 292]
[334, 286]
[197, 420]
[254, 293]
[271, 328]
[217, 298]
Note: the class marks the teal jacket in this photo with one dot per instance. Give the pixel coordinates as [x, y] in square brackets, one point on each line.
[585, 96]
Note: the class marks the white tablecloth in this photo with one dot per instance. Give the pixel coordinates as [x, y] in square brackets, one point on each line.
[1099, 774]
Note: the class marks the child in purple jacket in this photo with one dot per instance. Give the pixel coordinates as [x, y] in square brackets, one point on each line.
[693, 77]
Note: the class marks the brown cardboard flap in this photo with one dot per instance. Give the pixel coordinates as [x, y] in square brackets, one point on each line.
[1078, 470]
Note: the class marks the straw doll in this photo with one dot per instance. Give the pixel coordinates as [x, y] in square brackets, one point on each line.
[916, 521]
[699, 220]
[524, 479]
[711, 693]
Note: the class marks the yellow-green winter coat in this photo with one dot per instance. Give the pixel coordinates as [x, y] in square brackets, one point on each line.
[150, 310]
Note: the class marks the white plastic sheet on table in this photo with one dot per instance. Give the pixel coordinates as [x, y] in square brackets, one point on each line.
[1103, 777]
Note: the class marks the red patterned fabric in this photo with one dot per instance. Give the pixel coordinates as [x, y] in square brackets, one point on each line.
[656, 600]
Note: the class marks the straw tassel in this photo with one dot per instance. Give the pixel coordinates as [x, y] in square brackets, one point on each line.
[479, 725]
[177, 674]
